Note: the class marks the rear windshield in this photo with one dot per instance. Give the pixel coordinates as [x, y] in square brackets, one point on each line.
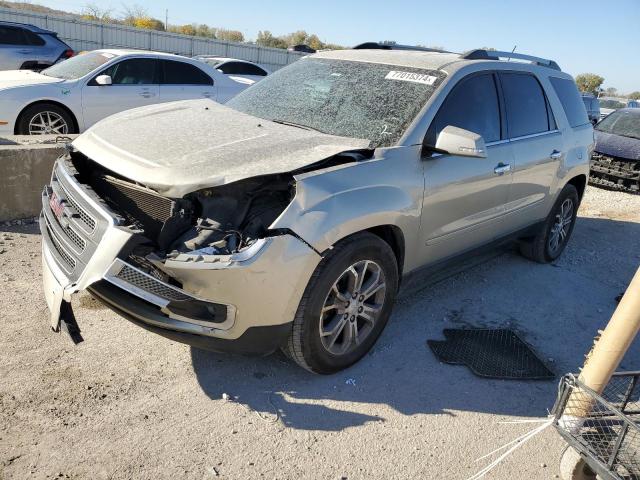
[621, 122]
[78, 66]
[571, 100]
[349, 99]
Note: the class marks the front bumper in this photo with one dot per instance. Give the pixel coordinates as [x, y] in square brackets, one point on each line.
[252, 298]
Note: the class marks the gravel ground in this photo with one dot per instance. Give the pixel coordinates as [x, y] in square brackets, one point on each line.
[129, 404]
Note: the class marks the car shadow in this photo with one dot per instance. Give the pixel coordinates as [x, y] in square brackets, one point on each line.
[557, 308]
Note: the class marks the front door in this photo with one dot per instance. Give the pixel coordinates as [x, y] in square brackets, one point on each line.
[134, 84]
[464, 197]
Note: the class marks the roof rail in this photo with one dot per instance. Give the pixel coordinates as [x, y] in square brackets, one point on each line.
[482, 54]
[394, 46]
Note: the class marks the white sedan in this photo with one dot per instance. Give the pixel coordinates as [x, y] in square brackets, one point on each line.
[238, 70]
[72, 95]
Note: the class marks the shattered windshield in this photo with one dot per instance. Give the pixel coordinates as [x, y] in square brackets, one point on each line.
[349, 99]
[621, 122]
[78, 66]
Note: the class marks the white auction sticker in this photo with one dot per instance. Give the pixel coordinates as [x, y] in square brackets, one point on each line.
[411, 77]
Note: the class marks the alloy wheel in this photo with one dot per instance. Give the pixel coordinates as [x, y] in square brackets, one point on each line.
[48, 123]
[352, 307]
[560, 229]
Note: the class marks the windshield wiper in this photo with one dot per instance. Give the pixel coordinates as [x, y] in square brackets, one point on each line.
[298, 125]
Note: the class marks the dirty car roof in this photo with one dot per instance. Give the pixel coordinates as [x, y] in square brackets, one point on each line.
[400, 58]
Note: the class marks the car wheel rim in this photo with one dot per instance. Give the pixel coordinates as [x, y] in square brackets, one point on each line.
[352, 307]
[561, 226]
[48, 123]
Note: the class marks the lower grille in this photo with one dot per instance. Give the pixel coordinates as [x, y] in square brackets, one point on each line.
[149, 284]
[615, 173]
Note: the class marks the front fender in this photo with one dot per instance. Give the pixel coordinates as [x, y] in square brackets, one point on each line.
[334, 203]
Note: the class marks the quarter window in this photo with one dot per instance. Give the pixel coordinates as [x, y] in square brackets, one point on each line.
[181, 73]
[472, 105]
[569, 96]
[526, 105]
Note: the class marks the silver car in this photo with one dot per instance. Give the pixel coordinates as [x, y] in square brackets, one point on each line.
[289, 217]
[27, 47]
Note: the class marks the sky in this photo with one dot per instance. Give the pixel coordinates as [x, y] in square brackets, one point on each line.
[581, 35]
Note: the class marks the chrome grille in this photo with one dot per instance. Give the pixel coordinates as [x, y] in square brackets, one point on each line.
[84, 216]
[149, 284]
[68, 259]
[71, 224]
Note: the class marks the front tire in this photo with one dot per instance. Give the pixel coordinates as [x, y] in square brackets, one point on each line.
[345, 306]
[553, 236]
[45, 119]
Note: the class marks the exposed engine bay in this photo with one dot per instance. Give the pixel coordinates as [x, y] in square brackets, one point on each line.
[222, 220]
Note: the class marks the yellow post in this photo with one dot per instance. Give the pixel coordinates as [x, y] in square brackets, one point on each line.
[608, 350]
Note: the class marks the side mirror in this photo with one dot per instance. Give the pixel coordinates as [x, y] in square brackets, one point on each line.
[103, 80]
[458, 141]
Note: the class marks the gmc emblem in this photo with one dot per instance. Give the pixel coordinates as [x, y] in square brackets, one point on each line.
[57, 205]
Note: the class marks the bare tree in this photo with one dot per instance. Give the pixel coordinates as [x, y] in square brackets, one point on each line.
[93, 11]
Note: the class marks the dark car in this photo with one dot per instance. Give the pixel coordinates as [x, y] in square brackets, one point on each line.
[615, 162]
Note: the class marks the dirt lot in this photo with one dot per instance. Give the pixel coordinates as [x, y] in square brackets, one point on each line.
[129, 404]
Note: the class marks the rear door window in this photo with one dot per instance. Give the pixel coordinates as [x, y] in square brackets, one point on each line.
[12, 36]
[181, 73]
[526, 105]
[241, 68]
[569, 96]
[472, 105]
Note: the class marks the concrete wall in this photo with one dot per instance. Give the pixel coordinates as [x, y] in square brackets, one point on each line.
[25, 167]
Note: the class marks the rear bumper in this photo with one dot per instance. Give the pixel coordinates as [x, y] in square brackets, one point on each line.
[254, 341]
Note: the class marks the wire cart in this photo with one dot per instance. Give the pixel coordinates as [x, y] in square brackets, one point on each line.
[606, 441]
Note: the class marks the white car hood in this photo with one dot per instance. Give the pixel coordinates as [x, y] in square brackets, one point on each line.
[21, 78]
[179, 147]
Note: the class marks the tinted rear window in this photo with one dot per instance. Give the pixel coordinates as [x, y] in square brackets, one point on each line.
[12, 36]
[526, 105]
[181, 73]
[571, 100]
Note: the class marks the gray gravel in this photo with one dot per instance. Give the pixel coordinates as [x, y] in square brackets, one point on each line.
[129, 404]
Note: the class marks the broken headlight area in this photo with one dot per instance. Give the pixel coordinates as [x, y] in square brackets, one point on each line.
[222, 221]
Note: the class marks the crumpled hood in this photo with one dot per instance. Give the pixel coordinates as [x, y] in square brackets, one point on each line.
[22, 78]
[617, 145]
[179, 147]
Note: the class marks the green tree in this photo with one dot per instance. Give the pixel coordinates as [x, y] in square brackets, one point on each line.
[589, 82]
[266, 39]
[634, 95]
[229, 35]
[611, 92]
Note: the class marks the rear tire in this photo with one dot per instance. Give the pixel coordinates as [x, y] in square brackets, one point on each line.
[552, 238]
[45, 119]
[345, 306]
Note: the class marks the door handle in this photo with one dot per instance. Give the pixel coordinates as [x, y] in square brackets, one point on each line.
[25, 52]
[207, 94]
[501, 168]
[555, 155]
[147, 94]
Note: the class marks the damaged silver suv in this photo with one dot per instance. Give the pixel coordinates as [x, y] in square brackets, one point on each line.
[288, 217]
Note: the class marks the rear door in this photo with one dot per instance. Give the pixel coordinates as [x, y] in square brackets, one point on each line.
[17, 47]
[465, 197]
[537, 148]
[184, 81]
[134, 84]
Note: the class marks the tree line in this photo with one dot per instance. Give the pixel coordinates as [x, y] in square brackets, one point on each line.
[592, 83]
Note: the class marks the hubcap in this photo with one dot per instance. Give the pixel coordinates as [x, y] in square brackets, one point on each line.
[560, 229]
[352, 307]
[48, 123]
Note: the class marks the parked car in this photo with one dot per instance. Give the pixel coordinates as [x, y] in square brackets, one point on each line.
[592, 105]
[615, 162]
[72, 95]
[288, 217]
[24, 46]
[239, 70]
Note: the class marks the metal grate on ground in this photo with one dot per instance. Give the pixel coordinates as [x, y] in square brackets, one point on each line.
[492, 353]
